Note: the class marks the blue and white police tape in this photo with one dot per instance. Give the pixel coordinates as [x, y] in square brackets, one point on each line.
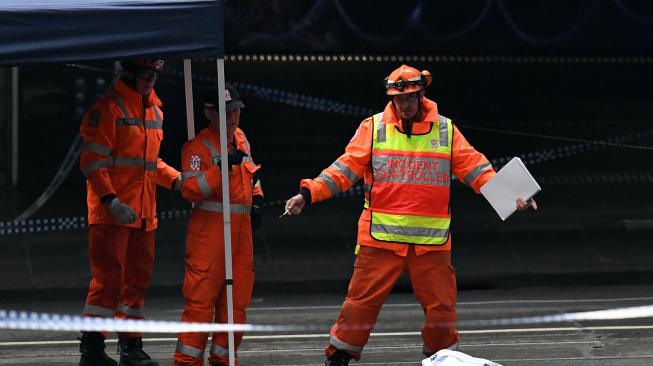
[440, 58]
[56, 322]
[45, 225]
[35, 226]
[608, 314]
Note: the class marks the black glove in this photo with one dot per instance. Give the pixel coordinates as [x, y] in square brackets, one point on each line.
[236, 157]
[257, 212]
[233, 158]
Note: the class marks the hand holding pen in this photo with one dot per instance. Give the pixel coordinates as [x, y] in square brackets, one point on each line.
[294, 206]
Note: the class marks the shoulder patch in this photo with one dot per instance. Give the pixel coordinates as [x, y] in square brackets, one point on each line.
[94, 119]
[195, 162]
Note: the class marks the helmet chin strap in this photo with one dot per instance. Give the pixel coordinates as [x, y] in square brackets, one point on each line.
[407, 124]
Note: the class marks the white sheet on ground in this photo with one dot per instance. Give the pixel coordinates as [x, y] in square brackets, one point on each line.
[447, 357]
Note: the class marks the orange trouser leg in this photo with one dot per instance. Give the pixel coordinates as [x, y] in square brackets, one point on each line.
[121, 264]
[204, 283]
[106, 251]
[243, 283]
[375, 273]
[434, 282]
[137, 276]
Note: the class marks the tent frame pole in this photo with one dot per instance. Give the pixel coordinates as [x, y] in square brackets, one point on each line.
[226, 208]
[14, 125]
[188, 87]
[224, 168]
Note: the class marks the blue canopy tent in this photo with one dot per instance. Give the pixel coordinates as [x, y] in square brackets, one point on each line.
[33, 31]
[56, 31]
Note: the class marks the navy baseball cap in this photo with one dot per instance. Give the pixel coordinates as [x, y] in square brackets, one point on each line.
[231, 98]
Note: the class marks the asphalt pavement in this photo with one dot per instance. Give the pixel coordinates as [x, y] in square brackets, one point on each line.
[396, 338]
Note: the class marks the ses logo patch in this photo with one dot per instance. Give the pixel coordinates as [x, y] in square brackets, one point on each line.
[195, 162]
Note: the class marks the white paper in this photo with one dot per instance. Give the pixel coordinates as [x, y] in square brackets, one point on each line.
[511, 182]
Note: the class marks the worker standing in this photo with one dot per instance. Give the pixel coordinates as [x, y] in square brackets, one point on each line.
[122, 135]
[204, 282]
[406, 155]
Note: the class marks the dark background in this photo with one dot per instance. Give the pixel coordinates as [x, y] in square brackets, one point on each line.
[567, 87]
[416, 26]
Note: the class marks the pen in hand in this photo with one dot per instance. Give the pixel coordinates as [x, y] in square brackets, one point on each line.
[285, 213]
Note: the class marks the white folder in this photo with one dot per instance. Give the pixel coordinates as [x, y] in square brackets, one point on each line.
[511, 182]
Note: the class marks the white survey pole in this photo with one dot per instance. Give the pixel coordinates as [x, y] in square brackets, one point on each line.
[188, 86]
[14, 126]
[226, 209]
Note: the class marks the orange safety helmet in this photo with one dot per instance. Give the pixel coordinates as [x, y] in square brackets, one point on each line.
[406, 79]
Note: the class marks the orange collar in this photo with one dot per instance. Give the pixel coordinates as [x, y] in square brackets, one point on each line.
[132, 96]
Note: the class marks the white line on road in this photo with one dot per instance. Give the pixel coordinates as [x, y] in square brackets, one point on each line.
[385, 334]
[460, 303]
[555, 301]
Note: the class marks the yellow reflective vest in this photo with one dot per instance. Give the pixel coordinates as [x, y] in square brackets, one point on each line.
[411, 179]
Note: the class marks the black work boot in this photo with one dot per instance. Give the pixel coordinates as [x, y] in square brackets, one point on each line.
[340, 358]
[92, 347]
[132, 354]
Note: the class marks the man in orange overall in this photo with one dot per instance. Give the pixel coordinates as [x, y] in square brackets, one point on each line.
[406, 155]
[122, 134]
[204, 281]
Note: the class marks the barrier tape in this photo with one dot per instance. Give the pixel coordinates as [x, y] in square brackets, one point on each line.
[56, 322]
[609, 314]
[72, 156]
[35, 226]
[22, 320]
[454, 59]
[70, 160]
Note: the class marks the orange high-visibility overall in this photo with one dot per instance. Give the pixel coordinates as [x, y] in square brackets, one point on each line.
[204, 281]
[379, 263]
[122, 134]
